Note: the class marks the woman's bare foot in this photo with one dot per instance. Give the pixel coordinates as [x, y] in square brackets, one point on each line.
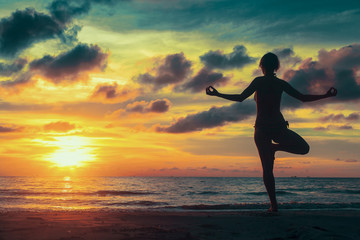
[272, 210]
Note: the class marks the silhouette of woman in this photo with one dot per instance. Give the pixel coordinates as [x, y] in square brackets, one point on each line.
[270, 124]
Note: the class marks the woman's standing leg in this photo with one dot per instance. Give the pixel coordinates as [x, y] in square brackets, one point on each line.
[264, 146]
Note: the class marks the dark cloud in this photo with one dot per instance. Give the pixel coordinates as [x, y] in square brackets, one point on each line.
[6, 129]
[280, 167]
[347, 160]
[157, 106]
[344, 127]
[334, 68]
[15, 67]
[238, 58]
[70, 35]
[71, 65]
[212, 169]
[26, 27]
[333, 127]
[174, 69]
[21, 80]
[169, 169]
[320, 128]
[352, 117]
[283, 52]
[214, 117]
[111, 93]
[59, 127]
[203, 79]
[23, 28]
[340, 117]
[65, 10]
[287, 56]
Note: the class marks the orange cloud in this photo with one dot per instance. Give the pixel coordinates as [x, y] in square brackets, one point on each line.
[114, 94]
[59, 127]
[8, 129]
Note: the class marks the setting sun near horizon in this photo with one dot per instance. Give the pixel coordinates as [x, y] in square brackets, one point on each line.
[72, 151]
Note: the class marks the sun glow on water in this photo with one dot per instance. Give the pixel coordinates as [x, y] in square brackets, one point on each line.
[72, 151]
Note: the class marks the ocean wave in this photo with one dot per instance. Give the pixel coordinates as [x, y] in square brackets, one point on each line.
[138, 203]
[203, 193]
[8, 192]
[312, 189]
[121, 193]
[208, 193]
[10, 198]
[346, 191]
[281, 192]
[256, 193]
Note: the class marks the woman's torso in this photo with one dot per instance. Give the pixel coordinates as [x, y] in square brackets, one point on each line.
[268, 97]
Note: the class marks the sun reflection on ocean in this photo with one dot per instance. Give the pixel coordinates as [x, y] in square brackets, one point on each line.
[67, 185]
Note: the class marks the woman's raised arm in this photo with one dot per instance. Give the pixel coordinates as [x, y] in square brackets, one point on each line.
[307, 97]
[233, 97]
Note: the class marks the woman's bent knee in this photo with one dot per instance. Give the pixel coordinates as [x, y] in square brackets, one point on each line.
[305, 149]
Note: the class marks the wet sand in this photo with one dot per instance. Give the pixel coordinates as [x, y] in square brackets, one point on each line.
[71, 225]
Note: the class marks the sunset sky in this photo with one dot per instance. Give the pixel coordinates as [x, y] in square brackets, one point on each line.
[117, 87]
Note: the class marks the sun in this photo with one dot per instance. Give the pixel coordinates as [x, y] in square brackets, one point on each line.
[72, 151]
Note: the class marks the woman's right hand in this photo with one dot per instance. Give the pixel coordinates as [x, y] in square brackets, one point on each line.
[211, 91]
[331, 92]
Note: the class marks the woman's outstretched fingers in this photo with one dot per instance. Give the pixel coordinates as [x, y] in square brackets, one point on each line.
[332, 92]
[211, 90]
[208, 90]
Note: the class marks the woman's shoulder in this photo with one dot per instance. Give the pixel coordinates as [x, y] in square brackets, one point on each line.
[282, 82]
[266, 79]
[259, 79]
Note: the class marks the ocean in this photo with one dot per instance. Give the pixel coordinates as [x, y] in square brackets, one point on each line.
[174, 193]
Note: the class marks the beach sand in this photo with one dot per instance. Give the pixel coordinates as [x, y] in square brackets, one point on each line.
[72, 225]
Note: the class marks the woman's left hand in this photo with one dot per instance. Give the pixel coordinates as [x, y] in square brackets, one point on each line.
[331, 92]
[211, 91]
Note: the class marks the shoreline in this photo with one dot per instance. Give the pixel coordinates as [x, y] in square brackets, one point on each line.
[144, 224]
[236, 207]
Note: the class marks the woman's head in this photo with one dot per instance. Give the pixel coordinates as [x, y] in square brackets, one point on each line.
[269, 63]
